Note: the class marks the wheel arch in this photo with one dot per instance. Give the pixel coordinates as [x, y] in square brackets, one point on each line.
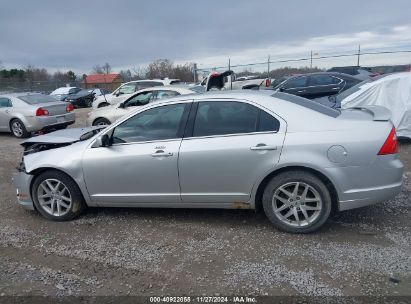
[19, 117]
[36, 172]
[325, 179]
[97, 118]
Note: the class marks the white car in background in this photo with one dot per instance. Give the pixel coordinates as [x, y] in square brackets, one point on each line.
[129, 88]
[63, 92]
[109, 114]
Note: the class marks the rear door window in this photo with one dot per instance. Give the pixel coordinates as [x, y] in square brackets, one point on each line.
[5, 103]
[231, 117]
[148, 84]
[166, 94]
[296, 82]
[323, 80]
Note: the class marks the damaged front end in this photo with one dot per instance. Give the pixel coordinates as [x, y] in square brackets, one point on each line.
[56, 140]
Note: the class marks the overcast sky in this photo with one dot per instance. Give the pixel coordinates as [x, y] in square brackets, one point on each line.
[80, 34]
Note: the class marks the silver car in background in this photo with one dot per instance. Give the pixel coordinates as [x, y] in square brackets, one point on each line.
[109, 114]
[23, 113]
[290, 156]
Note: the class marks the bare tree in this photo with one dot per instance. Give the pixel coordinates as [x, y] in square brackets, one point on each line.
[97, 69]
[106, 68]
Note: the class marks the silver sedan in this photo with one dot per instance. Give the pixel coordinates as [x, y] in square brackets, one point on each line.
[290, 156]
[22, 114]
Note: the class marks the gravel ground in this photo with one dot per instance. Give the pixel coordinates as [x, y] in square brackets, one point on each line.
[178, 252]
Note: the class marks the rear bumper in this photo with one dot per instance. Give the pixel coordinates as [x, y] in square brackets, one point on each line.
[49, 122]
[22, 181]
[366, 197]
[366, 185]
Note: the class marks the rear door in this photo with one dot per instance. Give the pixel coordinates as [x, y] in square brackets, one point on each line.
[227, 147]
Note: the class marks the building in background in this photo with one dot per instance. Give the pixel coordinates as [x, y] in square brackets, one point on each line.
[103, 81]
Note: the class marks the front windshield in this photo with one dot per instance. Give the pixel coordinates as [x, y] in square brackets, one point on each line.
[340, 97]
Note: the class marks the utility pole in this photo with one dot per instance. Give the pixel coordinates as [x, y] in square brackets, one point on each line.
[268, 67]
[359, 54]
[195, 72]
[231, 76]
[311, 60]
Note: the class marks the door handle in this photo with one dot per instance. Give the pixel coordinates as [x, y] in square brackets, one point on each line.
[161, 153]
[263, 147]
[336, 88]
[301, 91]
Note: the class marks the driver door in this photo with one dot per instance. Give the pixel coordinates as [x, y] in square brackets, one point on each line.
[129, 105]
[140, 165]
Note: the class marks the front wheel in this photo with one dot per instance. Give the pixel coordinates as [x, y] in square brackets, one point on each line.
[56, 196]
[297, 202]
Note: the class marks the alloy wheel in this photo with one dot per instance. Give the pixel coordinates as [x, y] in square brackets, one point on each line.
[17, 129]
[297, 204]
[54, 197]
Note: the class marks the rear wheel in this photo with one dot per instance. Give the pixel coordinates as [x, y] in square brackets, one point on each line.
[297, 202]
[56, 196]
[101, 122]
[18, 129]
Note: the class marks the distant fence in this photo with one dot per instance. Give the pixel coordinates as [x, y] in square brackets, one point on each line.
[369, 58]
[32, 86]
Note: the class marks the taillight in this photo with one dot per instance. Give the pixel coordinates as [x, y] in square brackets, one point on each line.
[390, 146]
[69, 107]
[267, 82]
[42, 112]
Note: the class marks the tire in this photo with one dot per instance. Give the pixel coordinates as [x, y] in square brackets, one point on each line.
[56, 196]
[18, 129]
[280, 208]
[101, 122]
[103, 104]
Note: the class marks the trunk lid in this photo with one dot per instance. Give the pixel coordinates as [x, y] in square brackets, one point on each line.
[54, 108]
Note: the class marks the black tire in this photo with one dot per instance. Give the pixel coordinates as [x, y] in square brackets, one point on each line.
[316, 189]
[103, 104]
[18, 129]
[101, 122]
[77, 205]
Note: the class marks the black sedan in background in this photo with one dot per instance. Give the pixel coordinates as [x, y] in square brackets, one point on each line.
[315, 85]
[85, 97]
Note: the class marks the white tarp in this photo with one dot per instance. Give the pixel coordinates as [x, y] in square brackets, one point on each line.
[393, 92]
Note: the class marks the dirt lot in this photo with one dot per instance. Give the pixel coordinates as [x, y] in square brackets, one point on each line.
[175, 252]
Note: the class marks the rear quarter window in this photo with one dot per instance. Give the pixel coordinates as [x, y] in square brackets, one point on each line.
[306, 103]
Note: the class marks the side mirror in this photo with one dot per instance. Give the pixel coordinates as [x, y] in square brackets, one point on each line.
[281, 89]
[102, 141]
[118, 94]
[122, 105]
